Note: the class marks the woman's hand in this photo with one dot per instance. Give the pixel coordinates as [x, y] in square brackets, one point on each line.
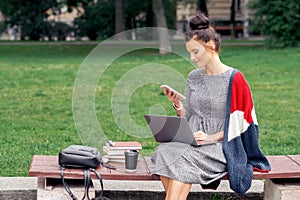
[172, 96]
[200, 135]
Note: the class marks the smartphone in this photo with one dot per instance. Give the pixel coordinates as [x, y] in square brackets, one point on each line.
[180, 96]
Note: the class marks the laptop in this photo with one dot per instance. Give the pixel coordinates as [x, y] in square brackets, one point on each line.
[172, 129]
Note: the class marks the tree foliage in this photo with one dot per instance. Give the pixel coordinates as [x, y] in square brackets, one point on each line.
[97, 20]
[31, 16]
[280, 20]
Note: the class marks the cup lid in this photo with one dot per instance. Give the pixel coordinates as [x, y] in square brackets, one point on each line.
[131, 152]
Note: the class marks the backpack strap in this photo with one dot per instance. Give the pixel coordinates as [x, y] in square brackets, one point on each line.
[66, 186]
[100, 180]
[87, 180]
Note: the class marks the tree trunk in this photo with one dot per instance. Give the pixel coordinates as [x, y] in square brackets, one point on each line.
[161, 22]
[232, 19]
[120, 24]
[202, 7]
[246, 20]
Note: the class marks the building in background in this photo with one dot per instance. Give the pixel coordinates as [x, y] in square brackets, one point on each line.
[5, 33]
[219, 12]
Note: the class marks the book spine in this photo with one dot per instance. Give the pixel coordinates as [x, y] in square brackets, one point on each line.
[123, 147]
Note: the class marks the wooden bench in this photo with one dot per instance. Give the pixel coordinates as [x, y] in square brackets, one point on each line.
[227, 28]
[47, 167]
[283, 167]
[223, 27]
[285, 171]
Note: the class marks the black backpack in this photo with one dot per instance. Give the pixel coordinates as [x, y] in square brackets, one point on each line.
[87, 159]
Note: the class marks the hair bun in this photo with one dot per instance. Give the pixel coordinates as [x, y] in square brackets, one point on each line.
[199, 22]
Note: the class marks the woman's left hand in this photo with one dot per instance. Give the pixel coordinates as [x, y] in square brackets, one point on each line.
[200, 135]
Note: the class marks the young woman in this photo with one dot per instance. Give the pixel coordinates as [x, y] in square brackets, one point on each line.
[208, 110]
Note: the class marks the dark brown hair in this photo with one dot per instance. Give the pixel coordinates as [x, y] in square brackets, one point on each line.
[200, 30]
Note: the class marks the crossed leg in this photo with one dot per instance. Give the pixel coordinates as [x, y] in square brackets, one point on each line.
[175, 190]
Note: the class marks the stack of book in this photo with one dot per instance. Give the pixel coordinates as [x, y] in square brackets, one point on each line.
[114, 151]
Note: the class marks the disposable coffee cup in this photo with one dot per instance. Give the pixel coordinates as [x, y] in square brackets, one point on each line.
[131, 158]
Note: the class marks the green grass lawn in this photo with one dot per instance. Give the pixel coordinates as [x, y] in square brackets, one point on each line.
[36, 97]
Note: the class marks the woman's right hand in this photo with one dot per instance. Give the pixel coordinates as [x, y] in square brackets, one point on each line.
[172, 96]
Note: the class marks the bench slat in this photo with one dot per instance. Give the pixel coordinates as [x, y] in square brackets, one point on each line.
[295, 158]
[281, 167]
[47, 167]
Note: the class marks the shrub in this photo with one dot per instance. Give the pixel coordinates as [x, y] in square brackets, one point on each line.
[278, 19]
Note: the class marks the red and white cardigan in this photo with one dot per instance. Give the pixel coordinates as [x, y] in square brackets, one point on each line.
[240, 144]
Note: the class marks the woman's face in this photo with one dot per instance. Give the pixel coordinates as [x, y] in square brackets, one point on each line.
[199, 55]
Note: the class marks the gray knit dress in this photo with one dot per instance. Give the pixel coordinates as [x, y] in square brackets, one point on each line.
[205, 110]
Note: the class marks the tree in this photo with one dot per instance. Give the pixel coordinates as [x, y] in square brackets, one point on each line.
[280, 20]
[120, 24]
[97, 19]
[105, 18]
[232, 19]
[137, 15]
[202, 6]
[30, 15]
[246, 19]
[161, 22]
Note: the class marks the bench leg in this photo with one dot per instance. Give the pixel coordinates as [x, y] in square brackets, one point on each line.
[282, 189]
